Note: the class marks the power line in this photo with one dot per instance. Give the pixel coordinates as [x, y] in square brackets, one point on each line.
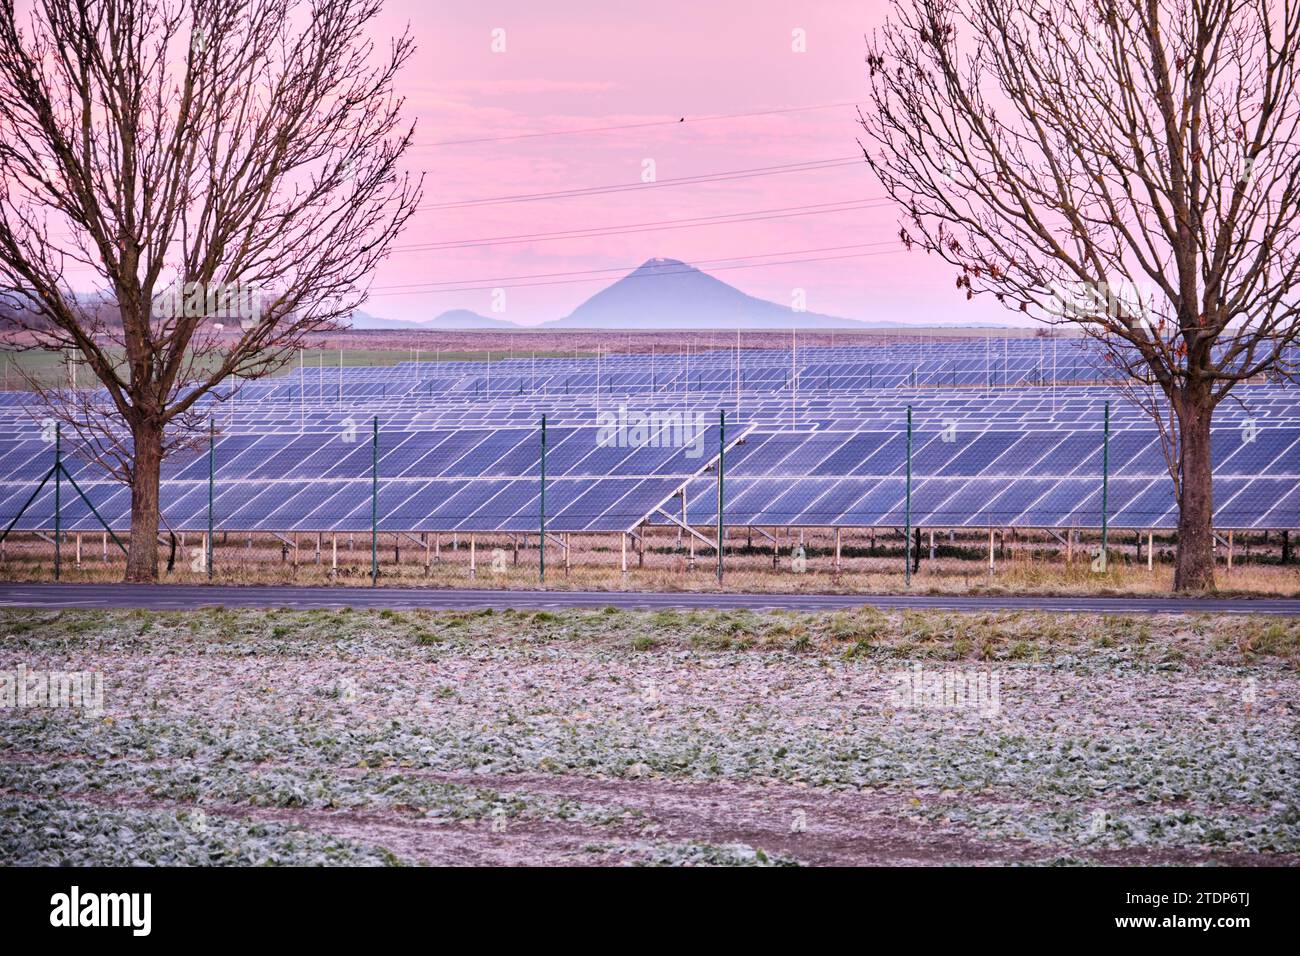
[757, 215]
[807, 166]
[622, 269]
[416, 288]
[681, 121]
[752, 265]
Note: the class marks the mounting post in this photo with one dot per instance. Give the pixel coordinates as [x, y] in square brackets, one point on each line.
[1105, 483]
[907, 508]
[212, 457]
[374, 504]
[58, 499]
[541, 541]
[722, 444]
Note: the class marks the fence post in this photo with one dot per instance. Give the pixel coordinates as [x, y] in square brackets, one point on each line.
[1105, 483]
[211, 483]
[722, 444]
[541, 541]
[907, 508]
[374, 505]
[58, 500]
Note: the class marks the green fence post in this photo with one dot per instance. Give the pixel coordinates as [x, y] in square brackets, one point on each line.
[1105, 484]
[211, 485]
[722, 444]
[907, 508]
[58, 499]
[374, 505]
[541, 541]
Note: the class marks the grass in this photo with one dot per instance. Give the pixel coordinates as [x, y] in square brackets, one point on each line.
[855, 634]
[595, 566]
[51, 368]
[241, 736]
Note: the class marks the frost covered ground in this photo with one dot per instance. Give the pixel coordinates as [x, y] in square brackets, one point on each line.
[247, 737]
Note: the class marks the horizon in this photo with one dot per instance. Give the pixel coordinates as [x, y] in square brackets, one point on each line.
[803, 320]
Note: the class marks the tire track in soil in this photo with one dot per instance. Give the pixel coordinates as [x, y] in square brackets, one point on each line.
[841, 828]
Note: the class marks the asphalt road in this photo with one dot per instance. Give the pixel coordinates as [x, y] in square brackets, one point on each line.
[168, 597]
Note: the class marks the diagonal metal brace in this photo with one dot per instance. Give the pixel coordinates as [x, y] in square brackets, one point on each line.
[93, 509]
[28, 503]
[683, 525]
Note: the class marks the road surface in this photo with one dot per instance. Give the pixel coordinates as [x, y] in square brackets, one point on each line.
[169, 597]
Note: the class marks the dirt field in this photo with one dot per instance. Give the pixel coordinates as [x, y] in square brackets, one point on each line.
[666, 738]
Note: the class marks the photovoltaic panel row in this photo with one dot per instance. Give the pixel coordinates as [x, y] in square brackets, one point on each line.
[445, 480]
[1140, 503]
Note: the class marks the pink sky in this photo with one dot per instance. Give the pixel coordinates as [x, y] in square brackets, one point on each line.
[574, 64]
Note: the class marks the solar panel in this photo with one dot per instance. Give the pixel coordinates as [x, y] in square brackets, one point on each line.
[816, 437]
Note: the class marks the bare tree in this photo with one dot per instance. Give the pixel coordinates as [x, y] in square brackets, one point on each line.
[196, 163]
[1127, 166]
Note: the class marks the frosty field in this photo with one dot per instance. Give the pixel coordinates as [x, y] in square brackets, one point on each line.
[283, 737]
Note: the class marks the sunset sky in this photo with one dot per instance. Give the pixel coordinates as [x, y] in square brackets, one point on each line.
[575, 65]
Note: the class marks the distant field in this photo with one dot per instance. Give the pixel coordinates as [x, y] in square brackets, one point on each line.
[383, 347]
[669, 738]
[330, 358]
[49, 369]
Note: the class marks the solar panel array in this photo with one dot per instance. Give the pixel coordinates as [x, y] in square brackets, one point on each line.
[815, 438]
[437, 480]
[995, 477]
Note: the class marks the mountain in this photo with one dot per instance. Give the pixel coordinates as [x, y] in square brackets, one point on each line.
[453, 319]
[669, 294]
[364, 320]
[465, 319]
[659, 294]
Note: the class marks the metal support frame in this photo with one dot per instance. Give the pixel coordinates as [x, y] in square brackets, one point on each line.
[907, 511]
[374, 505]
[208, 544]
[1105, 484]
[58, 472]
[541, 540]
[678, 522]
[58, 501]
[722, 445]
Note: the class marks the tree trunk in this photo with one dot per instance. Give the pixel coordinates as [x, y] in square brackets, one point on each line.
[142, 554]
[1194, 563]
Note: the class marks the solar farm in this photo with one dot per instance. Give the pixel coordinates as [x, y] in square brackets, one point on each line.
[764, 451]
[701, 436]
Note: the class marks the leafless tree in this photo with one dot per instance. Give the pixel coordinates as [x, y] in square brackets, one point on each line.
[1127, 166]
[192, 163]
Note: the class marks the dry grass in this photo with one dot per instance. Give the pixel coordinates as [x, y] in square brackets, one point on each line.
[1084, 641]
[1027, 566]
